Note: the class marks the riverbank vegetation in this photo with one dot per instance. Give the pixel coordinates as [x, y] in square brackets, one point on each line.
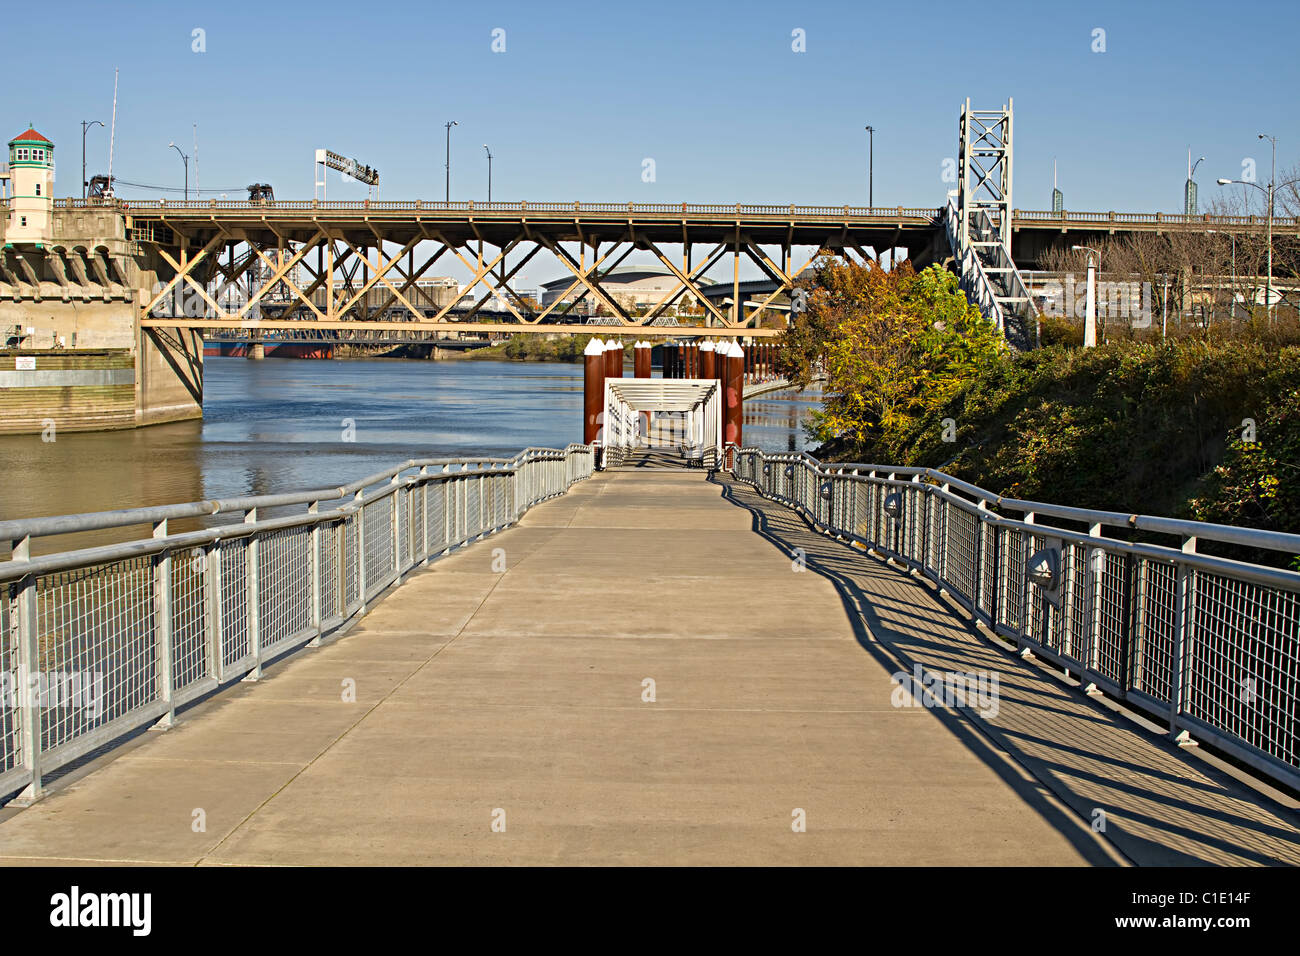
[1203, 427]
[534, 347]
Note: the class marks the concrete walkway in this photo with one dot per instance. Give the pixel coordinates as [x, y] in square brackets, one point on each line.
[516, 698]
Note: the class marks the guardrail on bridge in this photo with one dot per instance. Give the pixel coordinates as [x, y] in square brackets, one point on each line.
[1208, 645]
[98, 642]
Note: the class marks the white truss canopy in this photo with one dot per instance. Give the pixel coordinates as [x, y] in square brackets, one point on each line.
[681, 413]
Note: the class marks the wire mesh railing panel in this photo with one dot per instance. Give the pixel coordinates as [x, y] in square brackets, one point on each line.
[379, 557]
[988, 569]
[1110, 615]
[1074, 636]
[415, 528]
[1155, 620]
[473, 507]
[435, 516]
[327, 563]
[402, 506]
[351, 562]
[10, 717]
[499, 490]
[189, 618]
[1011, 580]
[1044, 615]
[1242, 656]
[960, 549]
[284, 584]
[235, 645]
[455, 511]
[97, 656]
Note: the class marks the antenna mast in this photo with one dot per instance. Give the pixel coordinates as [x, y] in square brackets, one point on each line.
[112, 133]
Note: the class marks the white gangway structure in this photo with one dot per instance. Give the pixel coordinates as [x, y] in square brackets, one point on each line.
[673, 416]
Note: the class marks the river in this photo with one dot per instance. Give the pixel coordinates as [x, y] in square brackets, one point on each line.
[285, 425]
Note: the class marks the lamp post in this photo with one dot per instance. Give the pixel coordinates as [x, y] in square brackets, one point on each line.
[1090, 304]
[85, 126]
[186, 160]
[871, 165]
[489, 155]
[449, 126]
[1189, 190]
[1270, 192]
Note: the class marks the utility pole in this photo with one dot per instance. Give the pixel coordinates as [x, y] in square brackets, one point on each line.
[1272, 180]
[1090, 304]
[85, 126]
[449, 126]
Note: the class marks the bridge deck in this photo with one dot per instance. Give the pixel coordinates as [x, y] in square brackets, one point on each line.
[522, 690]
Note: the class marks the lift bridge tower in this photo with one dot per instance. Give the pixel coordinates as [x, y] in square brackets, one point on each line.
[984, 171]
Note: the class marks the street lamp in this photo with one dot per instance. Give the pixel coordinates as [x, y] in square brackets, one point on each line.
[449, 126]
[1090, 304]
[871, 165]
[1270, 192]
[85, 126]
[1189, 191]
[186, 160]
[489, 155]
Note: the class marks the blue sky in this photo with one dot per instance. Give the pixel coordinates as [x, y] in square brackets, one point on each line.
[712, 92]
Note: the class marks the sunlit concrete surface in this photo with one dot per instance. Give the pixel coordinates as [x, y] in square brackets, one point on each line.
[502, 717]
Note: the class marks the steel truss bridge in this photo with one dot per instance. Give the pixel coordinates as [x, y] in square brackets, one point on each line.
[321, 262]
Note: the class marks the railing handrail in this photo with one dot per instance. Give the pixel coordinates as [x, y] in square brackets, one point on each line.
[1283, 541]
[18, 528]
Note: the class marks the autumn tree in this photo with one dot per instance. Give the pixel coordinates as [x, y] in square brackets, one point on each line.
[892, 344]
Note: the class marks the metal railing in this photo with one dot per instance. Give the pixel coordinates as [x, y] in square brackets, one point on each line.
[97, 642]
[260, 208]
[1208, 645]
[1025, 217]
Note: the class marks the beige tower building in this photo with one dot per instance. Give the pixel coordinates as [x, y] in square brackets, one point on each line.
[31, 184]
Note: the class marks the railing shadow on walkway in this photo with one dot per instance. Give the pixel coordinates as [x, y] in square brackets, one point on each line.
[1159, 807]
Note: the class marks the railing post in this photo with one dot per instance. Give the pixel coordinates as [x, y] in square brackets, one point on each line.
[29, 709]
[1026, 612]
[447, 497]
[313, 563]
[361, 550]
[253, 599]
[977, 579]
[1096, 577]
[1181, 661]
[162, 591]
[395, 525]
[424, 514]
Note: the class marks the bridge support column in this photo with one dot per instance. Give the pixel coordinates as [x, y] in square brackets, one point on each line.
[256, 351]
[733, 394]
[593, 390]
